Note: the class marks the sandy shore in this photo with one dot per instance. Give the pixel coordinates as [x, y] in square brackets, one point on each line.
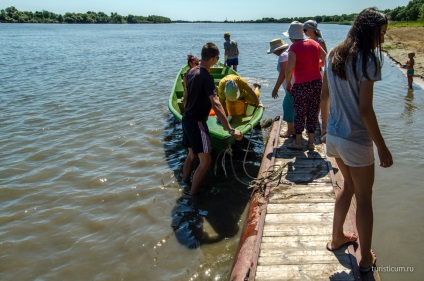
[399, 41]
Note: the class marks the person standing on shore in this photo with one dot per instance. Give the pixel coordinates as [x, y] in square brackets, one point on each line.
[350, 126]
[201, 97]
[410, 69]
[231, 52]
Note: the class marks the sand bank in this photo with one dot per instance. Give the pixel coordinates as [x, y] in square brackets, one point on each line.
[399, 41]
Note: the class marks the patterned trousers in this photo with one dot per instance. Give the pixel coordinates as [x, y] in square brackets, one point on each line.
[307, 97]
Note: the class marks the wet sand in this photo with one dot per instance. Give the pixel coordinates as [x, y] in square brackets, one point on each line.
[399, 41]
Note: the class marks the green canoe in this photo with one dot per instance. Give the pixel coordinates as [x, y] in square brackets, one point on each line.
[220, 138]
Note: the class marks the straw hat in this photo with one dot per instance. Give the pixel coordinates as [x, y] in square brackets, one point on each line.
[295, 31]
[232, 92]
[277, 44]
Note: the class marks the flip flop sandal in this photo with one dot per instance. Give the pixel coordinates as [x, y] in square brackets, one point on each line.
[286, 135]
[365, 270]
[352, 239]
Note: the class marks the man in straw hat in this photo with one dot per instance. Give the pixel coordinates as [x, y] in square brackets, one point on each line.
[231, 52]
[201, 97]
[280, 48]
[235, 93]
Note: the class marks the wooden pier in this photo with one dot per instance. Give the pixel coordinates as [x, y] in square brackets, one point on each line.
[290, 219]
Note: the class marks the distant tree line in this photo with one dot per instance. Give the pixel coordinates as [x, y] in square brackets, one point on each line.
[326, 19]
[12, 15]
[414, 11]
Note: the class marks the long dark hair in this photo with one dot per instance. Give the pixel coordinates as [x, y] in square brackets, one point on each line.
[364, 37]
[192, 59]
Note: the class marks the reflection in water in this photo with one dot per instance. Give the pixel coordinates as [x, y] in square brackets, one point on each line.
[409, 106]
[191, 216]
[210, 216]
[174, 150]
[215, 214]
[187, 222]
[65, 127]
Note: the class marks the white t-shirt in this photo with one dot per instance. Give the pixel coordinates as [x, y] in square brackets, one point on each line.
[344, 119]
[283, 58]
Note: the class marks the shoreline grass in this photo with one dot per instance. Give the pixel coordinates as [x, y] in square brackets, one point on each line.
[405, 24]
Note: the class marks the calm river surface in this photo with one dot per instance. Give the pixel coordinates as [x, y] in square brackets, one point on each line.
[91, 157]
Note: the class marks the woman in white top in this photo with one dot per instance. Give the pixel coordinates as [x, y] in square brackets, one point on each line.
[349, 120]
[280, 48]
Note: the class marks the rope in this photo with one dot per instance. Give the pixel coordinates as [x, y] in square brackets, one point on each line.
[245, 155]
[216, 163]
[229, 151]
[273, 174]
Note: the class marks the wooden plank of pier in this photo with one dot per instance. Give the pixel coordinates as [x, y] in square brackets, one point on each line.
[292, 221]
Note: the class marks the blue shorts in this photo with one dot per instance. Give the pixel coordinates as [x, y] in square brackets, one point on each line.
[352, 154]
[288, 108]
[196, 136]
[231, 62]
[410, 72]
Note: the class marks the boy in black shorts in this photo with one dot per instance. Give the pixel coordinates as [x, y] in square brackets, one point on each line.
[202, 96]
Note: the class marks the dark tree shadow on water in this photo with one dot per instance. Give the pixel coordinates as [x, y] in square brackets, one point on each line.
[175, 152]
[214, 214]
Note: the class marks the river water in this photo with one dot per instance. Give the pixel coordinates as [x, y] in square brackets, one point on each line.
[91, 157]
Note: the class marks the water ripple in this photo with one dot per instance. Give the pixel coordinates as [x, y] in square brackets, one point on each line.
[91, 157]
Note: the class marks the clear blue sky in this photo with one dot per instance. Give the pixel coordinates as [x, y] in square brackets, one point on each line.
[216, 10]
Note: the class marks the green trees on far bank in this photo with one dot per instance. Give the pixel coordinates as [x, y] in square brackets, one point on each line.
[12, 15]
[414, 11]
[327, 19]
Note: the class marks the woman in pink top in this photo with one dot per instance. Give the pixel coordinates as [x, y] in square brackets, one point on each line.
[304, 63]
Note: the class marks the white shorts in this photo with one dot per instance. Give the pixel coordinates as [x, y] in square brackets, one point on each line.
[352, 154]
